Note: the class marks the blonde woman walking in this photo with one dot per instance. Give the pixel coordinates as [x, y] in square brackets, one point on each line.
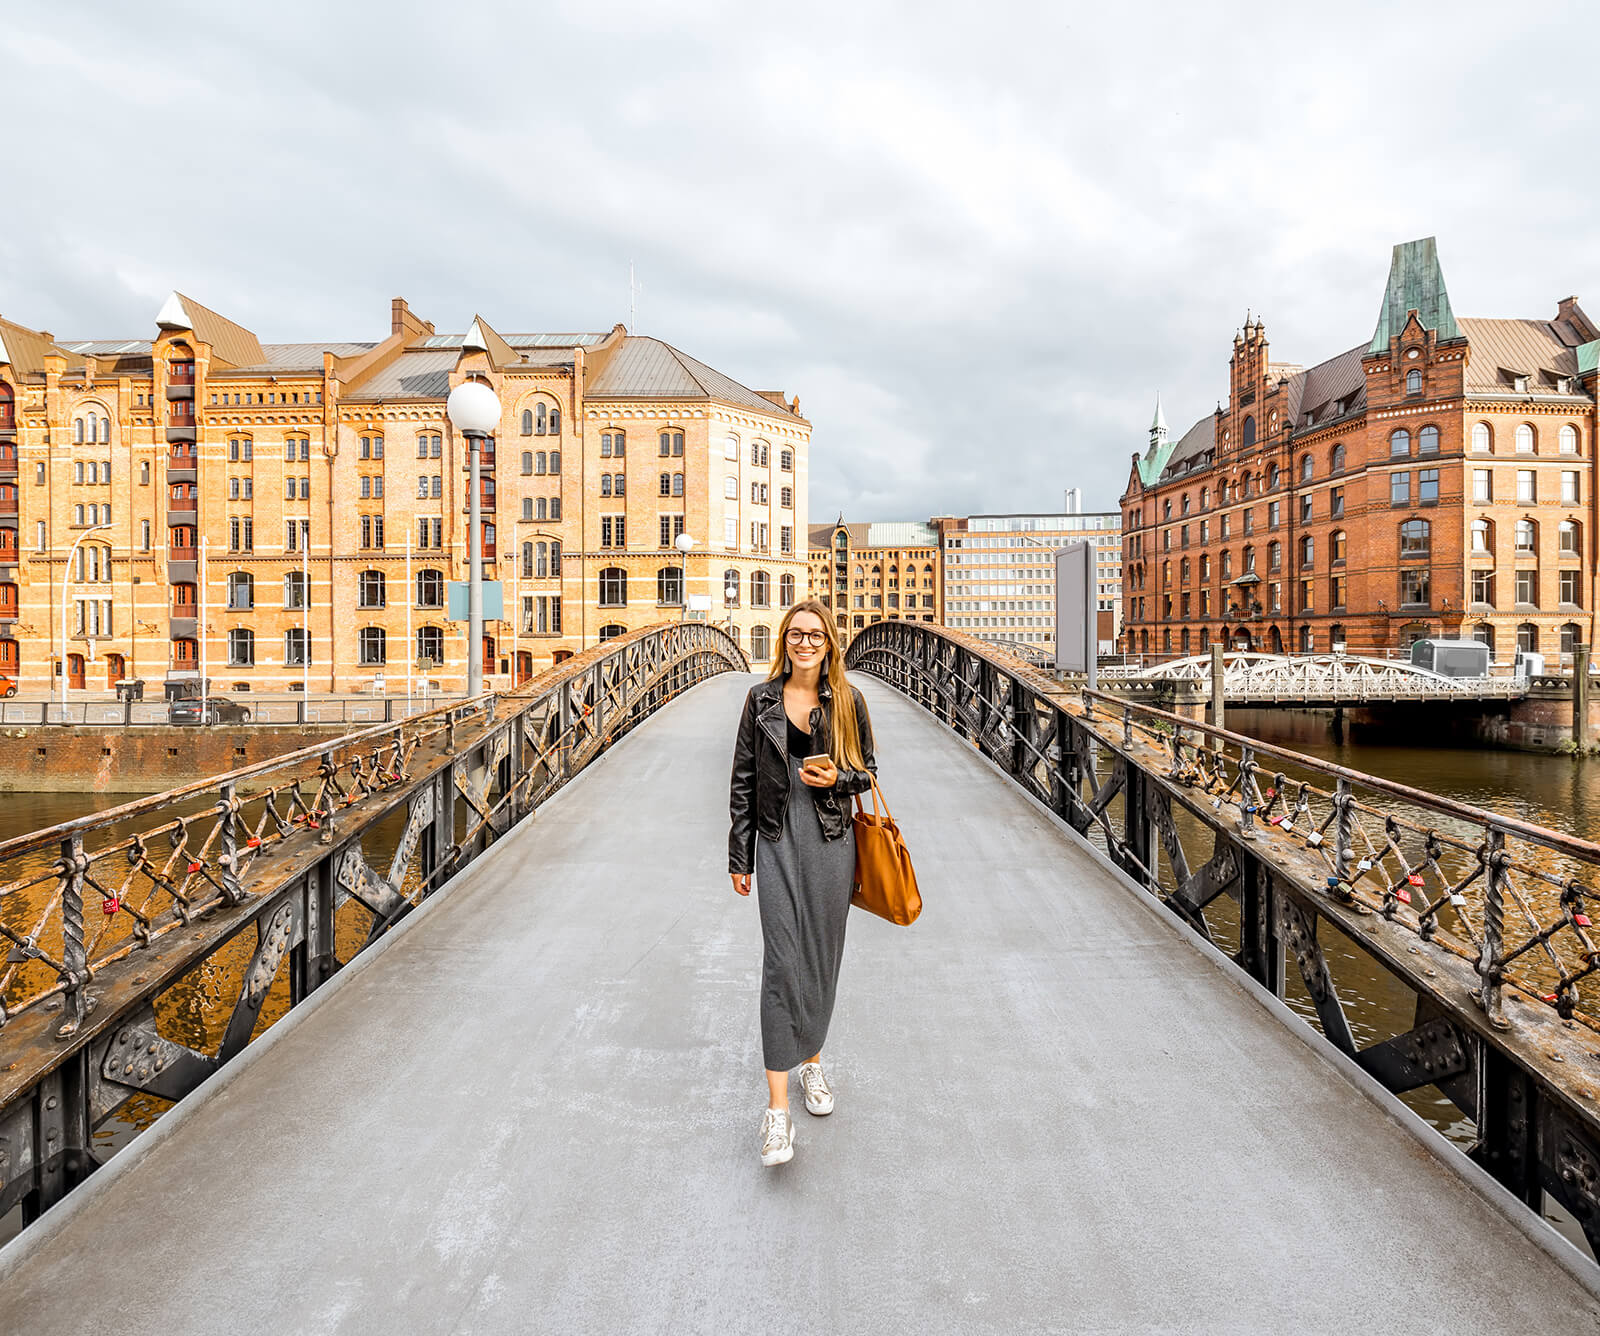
[804, 749]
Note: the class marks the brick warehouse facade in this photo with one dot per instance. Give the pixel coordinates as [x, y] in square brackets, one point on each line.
[875, 572]
[1437, 480]
[289, 480]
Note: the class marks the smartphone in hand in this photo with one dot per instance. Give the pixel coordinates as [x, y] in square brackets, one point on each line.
[812, 762]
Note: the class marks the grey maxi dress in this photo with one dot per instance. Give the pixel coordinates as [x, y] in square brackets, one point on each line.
[803, 884]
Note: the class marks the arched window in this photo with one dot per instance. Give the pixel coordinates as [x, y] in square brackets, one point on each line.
[1483, 633]
[613, 587]
[430, 645]
[1307, 640]
[730, 587]
[1571, 637]
[1166, 574]
[1249, 436]
[669, 585]
[540, 507]
[1184, 571]
[1249, 559]
[527, 461]
[760, 590]
[1569, 538]
[785, 591]
[1272, 477]
[538, 462]
[1482, 439]
[430, 588]
[1336, 545]
[760, 644]
[374, 646]
[527, 561]
[241, 591]
[1482, 538]
[1399, 442]
[1527, 536]
[77, 431]
[555, 461]
[1567, 440]
[371, 590]
[1307, 468]
[1415, 538]
[1428, 441]
[553, 423]
[1525, 439]
[1413, 381]
[1308, 551]
[241, 648]
[294, 589]
[527, 422]
[605, 484]
[1336, 459]
[611, 630]
[1227, 565]
[540, 417]
[541, 562]
[1274, 556]
[1528, 638]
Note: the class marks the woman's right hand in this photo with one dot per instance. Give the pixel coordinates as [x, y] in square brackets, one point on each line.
[741, 882]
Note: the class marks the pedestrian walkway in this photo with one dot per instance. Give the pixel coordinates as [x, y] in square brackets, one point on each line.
[535, 1108]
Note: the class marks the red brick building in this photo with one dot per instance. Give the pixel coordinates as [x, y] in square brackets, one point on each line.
[1437, 479]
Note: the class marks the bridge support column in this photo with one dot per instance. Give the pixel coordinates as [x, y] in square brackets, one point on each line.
[1219, 709]
[1260, 929]
[1138, 829]
[1580, 697]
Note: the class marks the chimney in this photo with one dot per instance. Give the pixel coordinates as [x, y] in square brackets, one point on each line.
[1074, 501]
[397, 315]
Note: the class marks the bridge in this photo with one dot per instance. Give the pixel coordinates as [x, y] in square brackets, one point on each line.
[515, 1084]
[1251, 678]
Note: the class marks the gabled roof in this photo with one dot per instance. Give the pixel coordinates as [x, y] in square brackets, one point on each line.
[1504, 349]
[1416, 283]
[1328, 390]
[24, 349]
[230, 343]
[646, 368]
[412, 375]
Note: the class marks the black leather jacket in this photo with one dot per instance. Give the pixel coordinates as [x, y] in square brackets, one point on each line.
[759, 792]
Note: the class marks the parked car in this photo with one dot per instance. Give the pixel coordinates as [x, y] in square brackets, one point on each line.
[7, 686]
[184, 704]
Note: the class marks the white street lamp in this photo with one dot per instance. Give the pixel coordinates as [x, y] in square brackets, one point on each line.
[66, 585]
[684, 542]
[474, 410]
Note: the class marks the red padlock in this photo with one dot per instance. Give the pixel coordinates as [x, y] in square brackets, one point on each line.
[1403, 894]
[196, 866]
[313, 825]
[110, 905]
[254, 842]
[1547, 997]
[1415, 878]
[1582, 920]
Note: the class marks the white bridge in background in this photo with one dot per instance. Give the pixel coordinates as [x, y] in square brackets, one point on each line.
[1316, 679]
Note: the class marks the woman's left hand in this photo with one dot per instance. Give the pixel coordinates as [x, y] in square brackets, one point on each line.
[822, 775]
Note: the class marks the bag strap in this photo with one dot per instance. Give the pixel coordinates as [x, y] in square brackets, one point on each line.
[877, 799]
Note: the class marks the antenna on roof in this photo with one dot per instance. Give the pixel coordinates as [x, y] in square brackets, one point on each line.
[633, 289]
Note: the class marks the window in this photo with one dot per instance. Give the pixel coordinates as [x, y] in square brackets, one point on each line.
[1336, 503]
[1567, 533]
[786, 498]
[371, 590]
[430, 646]
[1525, 439]
[671, 443]
[1336, 460]
[760, 590]
[613, 587]
[1482, 538]
[241, 591]
[1428, 441]
[1569, 587]
[786, 461]
[605, 484]
[671, 526]
[677, 484]
[1274, 556]
[374, 646]
[1308, 552]
[1307, 469]
[1305, 509]
[1569, 487]
[1336, 591]
[1274, 514]
[613, 531]
[1528, 587]
[527, 461]
[1399, 442]
[372, 531]
[786, 591]
[144, 535]
[241, 534]
[294, 589]
[760, 644]
[1482, 485]
[1527, 487]
[1481, 438]
[527, 422]
[1249, 432]
[430, 533]
[1527, 536]
[1567, 440]
[730, 486]
[430, 589]
[730, 587]
[1414, 587]
[1528, 638]
[1415, 538]
[539, 462]
[1483, 587]
[241, 648]
[296, 648]
[1428, 487]
[1413, 381]
[1400, 489]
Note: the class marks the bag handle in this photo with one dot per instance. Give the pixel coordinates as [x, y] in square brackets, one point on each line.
[878, 801]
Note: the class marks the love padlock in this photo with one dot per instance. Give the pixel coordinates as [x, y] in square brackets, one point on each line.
[254, 842]
[196, 866]
[110, 905]
[1275, 821]
[1457, 899]
[1365, 865]
[1403, 894]
[1415, 878]
[1314, 839]
[1582, 920]
[1288, 826]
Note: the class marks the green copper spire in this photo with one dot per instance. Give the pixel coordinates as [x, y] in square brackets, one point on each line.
[1416, 283]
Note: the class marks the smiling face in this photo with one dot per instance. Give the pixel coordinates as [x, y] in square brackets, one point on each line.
[812, 646]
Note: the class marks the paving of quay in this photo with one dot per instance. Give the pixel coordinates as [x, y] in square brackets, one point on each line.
[536, 1108]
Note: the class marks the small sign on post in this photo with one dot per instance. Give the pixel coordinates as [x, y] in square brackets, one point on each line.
[1077, 638]
[493, 600]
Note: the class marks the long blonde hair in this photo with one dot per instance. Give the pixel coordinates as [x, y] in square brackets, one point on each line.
[845, 744]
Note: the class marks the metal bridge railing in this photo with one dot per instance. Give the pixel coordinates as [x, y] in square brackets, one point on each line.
[1484, 917]
[214, 886]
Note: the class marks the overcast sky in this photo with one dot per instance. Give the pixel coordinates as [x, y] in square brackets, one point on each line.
[975, 240]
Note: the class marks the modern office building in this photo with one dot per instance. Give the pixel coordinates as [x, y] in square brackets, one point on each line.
[1437, 479]
[289, 515]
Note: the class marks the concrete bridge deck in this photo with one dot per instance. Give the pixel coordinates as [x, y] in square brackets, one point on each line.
[534, 1108]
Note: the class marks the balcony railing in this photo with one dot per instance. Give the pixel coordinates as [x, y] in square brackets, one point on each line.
[180, 373]
[183, 554]
[8, 455]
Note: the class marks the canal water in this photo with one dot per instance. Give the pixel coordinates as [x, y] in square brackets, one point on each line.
[1559, 792]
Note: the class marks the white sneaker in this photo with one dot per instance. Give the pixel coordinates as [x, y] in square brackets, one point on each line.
[819, 1099]
[777, 1137]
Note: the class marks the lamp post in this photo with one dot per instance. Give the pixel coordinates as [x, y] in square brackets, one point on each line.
[684, 542]
[474, 411]
[66, 585]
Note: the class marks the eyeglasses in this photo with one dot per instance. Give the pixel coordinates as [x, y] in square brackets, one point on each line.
[807, 637]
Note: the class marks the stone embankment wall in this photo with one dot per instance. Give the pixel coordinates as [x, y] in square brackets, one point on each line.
[142, 759]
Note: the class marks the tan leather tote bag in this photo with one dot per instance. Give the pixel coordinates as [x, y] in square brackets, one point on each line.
[886, 883]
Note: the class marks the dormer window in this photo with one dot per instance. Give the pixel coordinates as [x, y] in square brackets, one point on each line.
[1519, 384]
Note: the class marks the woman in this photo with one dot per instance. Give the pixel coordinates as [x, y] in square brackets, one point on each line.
[804, 748]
